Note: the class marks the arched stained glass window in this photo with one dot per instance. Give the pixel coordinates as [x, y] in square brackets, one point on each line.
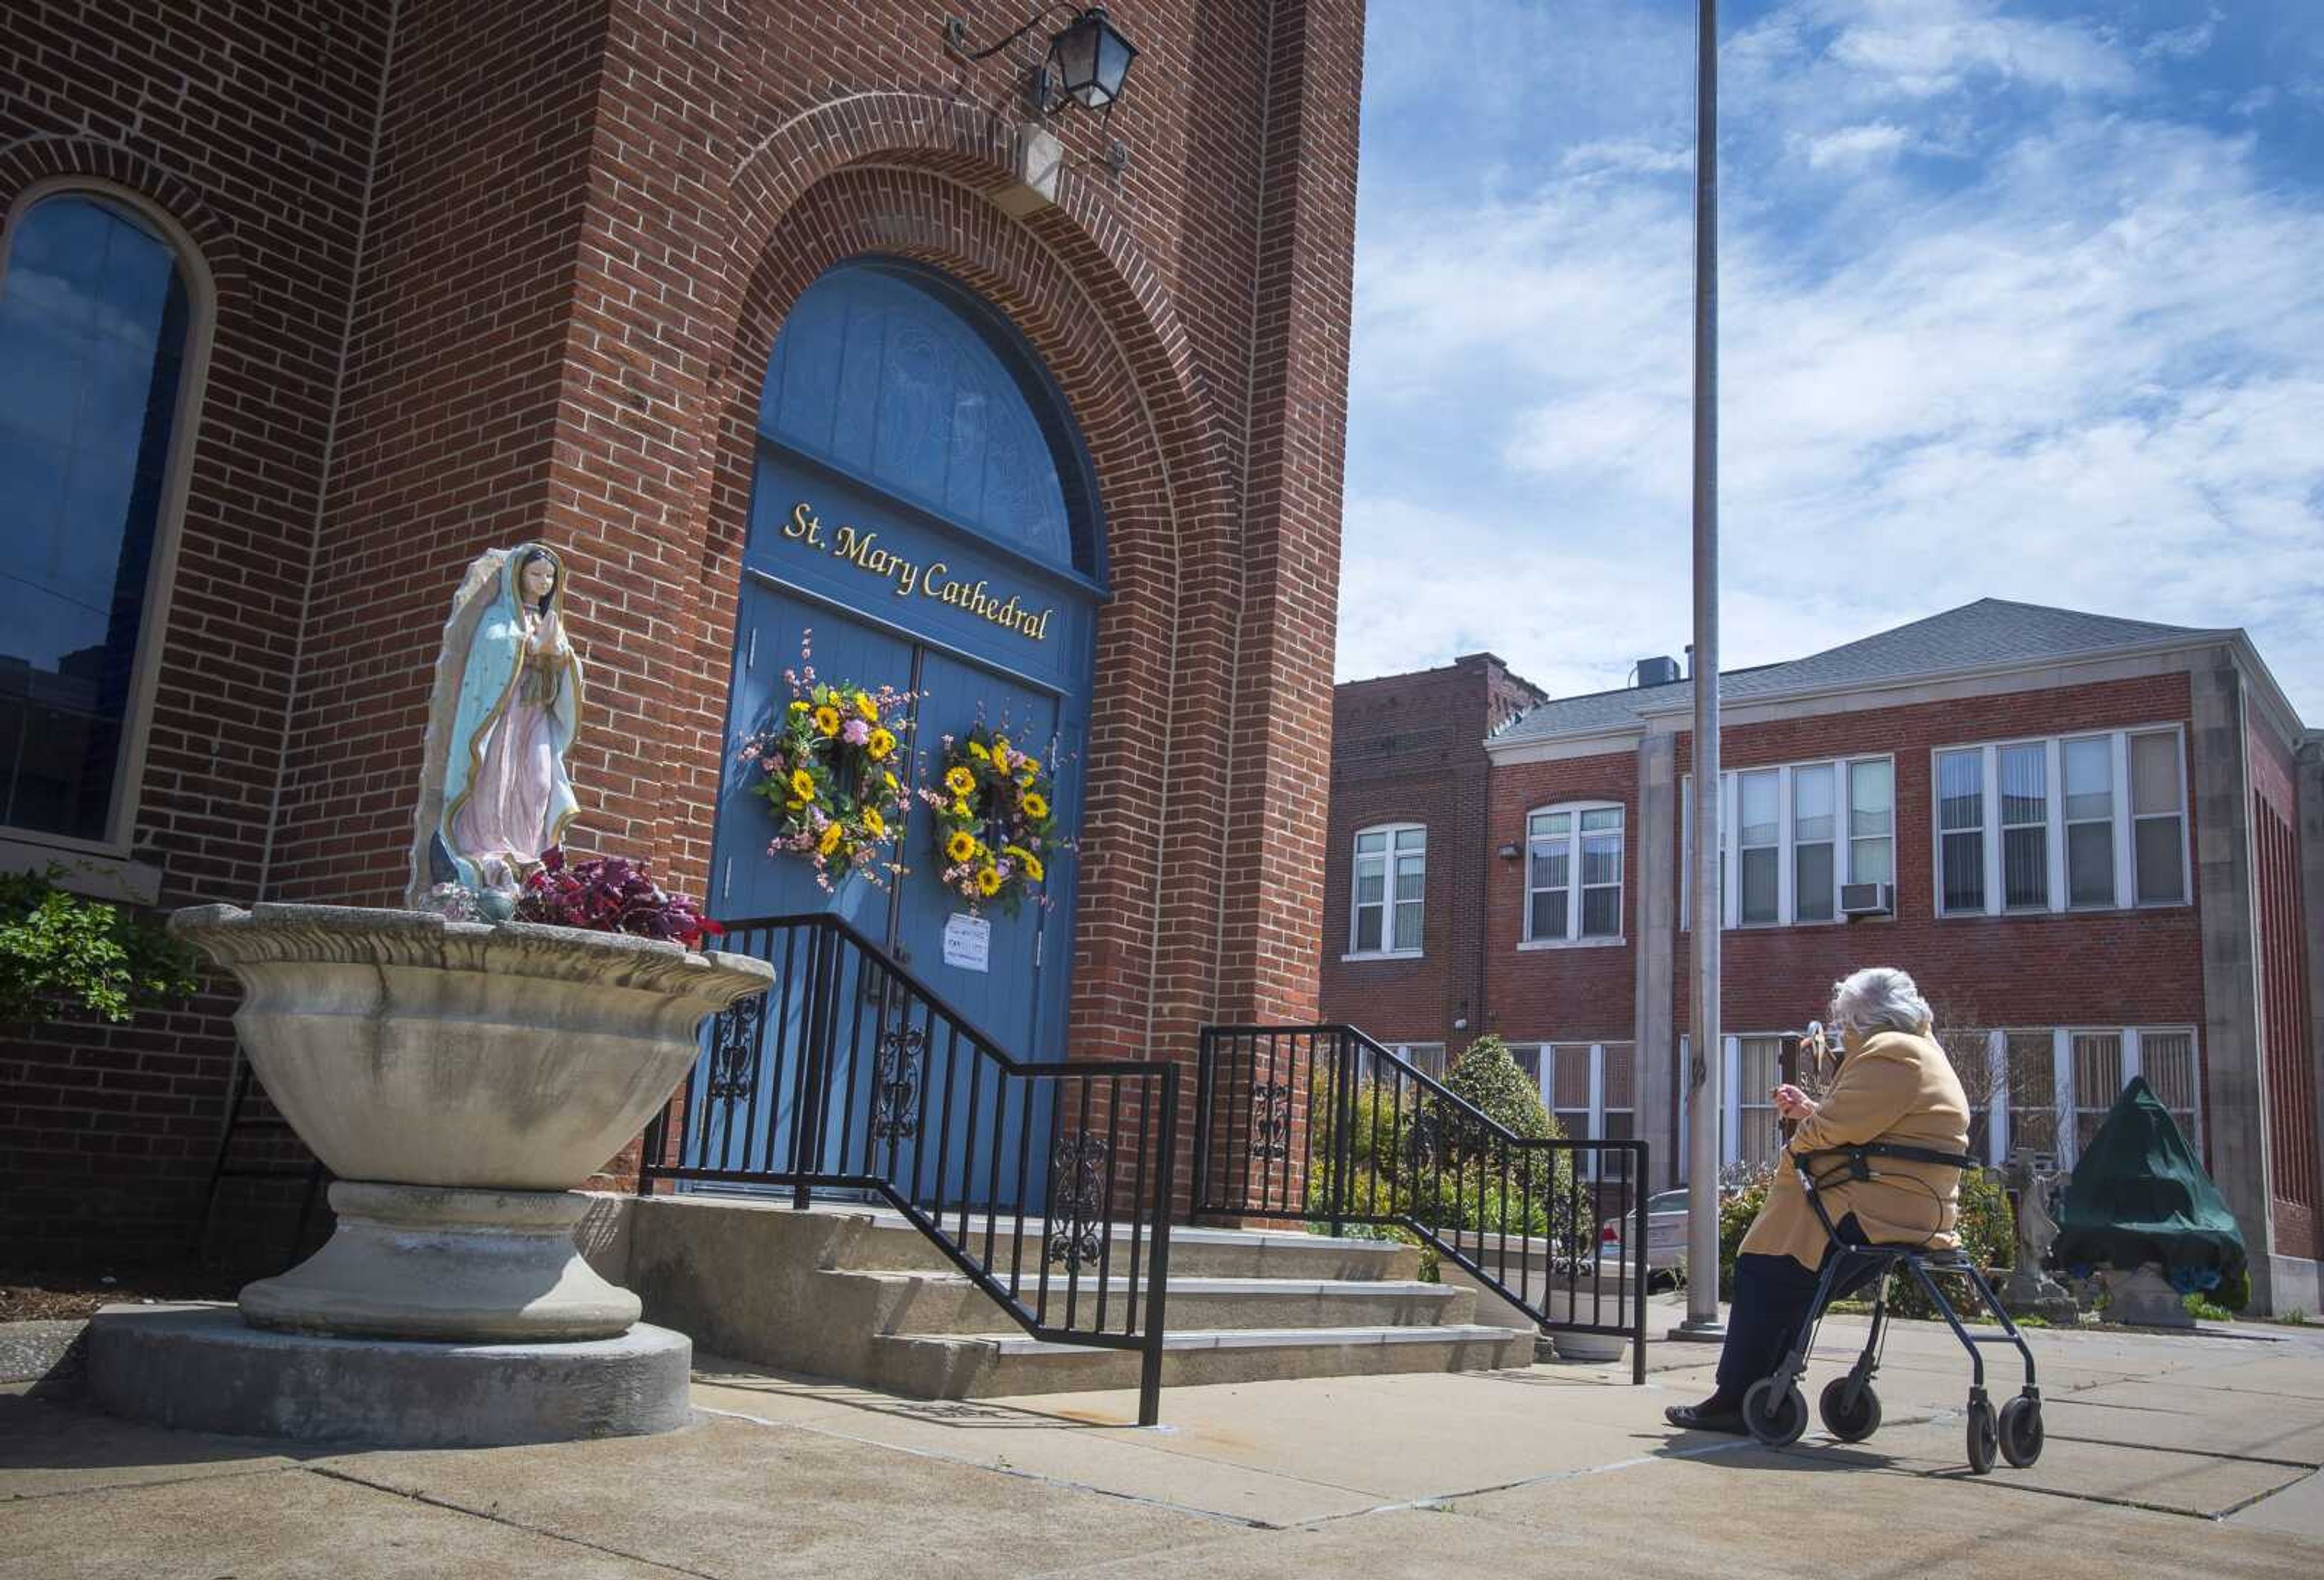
[94, 320]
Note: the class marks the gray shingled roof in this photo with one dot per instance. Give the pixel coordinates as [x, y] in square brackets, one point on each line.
[1990, 632]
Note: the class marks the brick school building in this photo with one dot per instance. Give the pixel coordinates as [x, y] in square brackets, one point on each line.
[2097, 842]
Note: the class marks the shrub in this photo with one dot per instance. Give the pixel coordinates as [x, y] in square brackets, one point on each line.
[1487, 1078]
[1411, 1155]
[1739, 1207]
[61, 950]
[1988, 1233]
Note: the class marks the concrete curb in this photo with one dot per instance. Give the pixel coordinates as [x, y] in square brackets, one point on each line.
[49, 1352]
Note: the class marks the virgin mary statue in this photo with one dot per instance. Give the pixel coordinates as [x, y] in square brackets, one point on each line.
[514, 705]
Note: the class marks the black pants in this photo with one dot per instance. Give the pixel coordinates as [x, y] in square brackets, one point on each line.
[1772, 1297]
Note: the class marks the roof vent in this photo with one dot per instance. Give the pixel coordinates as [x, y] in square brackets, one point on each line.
[1657, 672]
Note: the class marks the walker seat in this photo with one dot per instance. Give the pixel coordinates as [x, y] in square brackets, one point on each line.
[1775, 1410]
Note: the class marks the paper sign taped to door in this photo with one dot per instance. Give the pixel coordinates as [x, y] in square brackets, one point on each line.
[968, 942]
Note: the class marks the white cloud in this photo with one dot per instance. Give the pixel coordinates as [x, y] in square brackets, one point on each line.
[1632, 155]
[2084, 368]
[2183, 43]
[1874, 142]
[1922, 47]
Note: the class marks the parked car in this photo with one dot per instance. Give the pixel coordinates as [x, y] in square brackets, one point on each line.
[1665, 1233]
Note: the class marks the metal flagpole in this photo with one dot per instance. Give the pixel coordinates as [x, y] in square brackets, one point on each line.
[1708, 1060]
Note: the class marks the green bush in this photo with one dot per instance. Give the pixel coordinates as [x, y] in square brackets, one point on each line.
[1738, 1208]
[1988, 1232]
[1487, 1078]
[1410, 1155]
[60, 951]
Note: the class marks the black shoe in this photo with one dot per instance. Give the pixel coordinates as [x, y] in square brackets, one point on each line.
[1703, 1418]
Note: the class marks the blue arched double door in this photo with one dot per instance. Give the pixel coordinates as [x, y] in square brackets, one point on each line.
[923, 507]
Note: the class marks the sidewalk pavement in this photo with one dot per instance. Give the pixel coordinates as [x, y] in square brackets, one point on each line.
[2164, 1454]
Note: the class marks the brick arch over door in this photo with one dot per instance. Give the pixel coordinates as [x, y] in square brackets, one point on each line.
[1168, 632]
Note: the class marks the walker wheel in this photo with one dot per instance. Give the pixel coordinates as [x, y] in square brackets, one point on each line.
[1776, 1412]
[2021, 1430]
[1983, 1437]
[1849, 1424]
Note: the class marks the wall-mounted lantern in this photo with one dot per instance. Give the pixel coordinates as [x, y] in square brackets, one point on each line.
[1088, 60]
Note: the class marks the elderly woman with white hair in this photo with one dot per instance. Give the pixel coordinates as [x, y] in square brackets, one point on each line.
[1896, 1087]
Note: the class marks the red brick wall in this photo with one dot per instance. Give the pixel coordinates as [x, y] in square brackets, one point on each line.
[2287, 1032]
[587, 220]
[2119, 968]
[249, 124]
[1580, 992]
[1410, 748]
[2126, 968]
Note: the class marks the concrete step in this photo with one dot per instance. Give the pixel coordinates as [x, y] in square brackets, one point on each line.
[948, 1303]
[999, 1366]
[878, 1239]
[1194, 1252]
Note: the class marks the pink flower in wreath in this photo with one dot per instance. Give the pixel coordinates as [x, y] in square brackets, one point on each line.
[855, 731]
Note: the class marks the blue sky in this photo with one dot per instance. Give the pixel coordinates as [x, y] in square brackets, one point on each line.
[2021, 298]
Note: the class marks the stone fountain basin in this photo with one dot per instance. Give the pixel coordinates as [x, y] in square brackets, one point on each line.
[408, 1049]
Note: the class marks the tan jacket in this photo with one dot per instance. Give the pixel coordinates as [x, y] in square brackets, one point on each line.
[1893, 1086]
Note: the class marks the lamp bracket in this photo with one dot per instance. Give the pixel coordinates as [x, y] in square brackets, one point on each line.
[956, 32]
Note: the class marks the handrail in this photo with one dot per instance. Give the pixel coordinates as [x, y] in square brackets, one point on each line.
[1447, 1162]
[838, 1112]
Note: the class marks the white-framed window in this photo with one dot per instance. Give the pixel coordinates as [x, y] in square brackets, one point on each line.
[2158, 816]
[2047, 1089]
[1872, 820]
[105, 308]
[1428, 1058]
[2089, 766]
[2094, 821]
[1785, 855]
[1573, 874]
[1815, 829]
[1759, 846]
[1391, 880]
[1590, 1088]
[1755, 1069]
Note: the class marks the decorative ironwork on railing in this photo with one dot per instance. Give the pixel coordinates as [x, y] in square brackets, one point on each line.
[1049, 1185]
[1381, 1143]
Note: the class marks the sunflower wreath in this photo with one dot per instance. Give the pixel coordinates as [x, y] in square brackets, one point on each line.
[995, 822]
[826, 768]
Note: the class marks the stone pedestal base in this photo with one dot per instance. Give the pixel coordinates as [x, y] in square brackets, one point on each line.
[2040, 1295]
[2144, 1299]
[432, 1263]
[201, 1369]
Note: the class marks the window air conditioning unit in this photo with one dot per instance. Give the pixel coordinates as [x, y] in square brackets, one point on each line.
[1866, 899]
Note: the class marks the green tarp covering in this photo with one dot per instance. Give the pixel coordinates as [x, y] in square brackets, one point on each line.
[2139, 1195]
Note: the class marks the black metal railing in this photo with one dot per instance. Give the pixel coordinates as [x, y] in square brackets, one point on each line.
[1323, 1125]
[1049, 1185]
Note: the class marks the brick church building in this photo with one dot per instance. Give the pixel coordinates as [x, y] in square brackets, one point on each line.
[303, 306]
[2098, 843]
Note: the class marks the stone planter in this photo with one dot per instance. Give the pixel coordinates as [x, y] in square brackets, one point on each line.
[1590, 1348]
[459, 1078]
[1611, 1303]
